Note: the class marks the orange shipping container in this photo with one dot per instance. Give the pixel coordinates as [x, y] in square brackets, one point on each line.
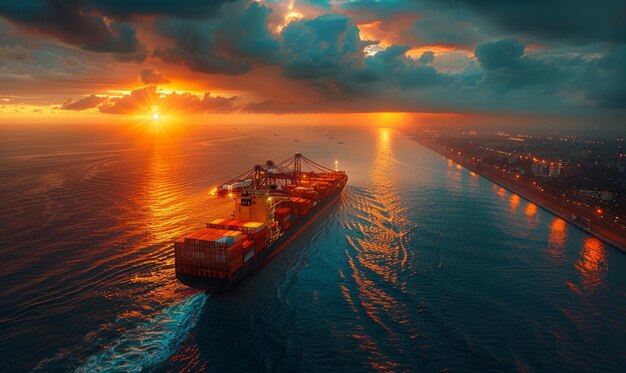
[282, 211]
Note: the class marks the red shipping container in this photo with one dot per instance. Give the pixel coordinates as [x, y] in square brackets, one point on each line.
[235, 266]
[282, 211]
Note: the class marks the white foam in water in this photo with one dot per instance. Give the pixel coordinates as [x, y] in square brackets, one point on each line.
[150, 343]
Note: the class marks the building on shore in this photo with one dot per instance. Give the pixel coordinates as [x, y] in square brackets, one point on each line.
[545, 169]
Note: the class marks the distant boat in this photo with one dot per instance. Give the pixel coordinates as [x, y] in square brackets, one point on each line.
[296, 140]
[340, 142]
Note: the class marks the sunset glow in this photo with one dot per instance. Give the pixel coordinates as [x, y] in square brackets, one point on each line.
[312, 185]
[290, 57]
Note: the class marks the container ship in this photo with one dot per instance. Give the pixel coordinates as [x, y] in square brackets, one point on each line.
[274, 202]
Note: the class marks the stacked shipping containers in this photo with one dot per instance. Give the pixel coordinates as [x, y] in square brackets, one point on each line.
[281, 215]
[210, 252]
[225, 246]
[255, 231]
[298, 206]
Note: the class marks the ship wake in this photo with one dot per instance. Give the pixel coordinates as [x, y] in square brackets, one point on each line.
[149, 343]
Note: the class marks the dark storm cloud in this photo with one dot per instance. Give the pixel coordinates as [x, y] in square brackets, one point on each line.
[195, 47]
[612, 69]
[602, 81]
[507, 68]
[580, 81]
[572, 21]
[68, 21]
[471, 22]
[371, 10]
[320, 47]
[232, 45]
[150, 75]
[392, 64]
[532, 56]
[247, 36]
[172, 8]
[449, 28]
[100, 25]
[325, 4]
[418, 22]
[88, 102]
[506, 78]
[505, 53]
[426, 57]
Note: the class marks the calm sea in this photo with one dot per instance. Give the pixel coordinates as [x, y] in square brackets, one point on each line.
[422, 266]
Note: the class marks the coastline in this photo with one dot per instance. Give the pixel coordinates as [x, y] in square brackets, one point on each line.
[550, 205]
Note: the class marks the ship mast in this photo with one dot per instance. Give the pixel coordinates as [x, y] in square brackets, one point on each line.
[297, 168]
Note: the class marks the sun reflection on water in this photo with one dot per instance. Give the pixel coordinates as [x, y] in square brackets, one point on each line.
[163, 195]
[377, 254]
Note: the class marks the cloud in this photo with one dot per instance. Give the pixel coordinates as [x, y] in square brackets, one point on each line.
[135, 8]
[365, 11]
[451, 28]
[554, 57]
[88, 102]
[393, 65]
[195, 48]
[232, 45]
[571, 21]
[505, 53]
[323, 46]
[613, 75]
[143, 100]
[273, 106]
[69, 22]
[150, 75]
[101, 25]
[601, 81]
[137, 102]
[427, 57]
[190, 103]
[247, 36]
[507, 68]
[14, 53]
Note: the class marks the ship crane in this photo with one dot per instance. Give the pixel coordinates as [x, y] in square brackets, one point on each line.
[272, 178]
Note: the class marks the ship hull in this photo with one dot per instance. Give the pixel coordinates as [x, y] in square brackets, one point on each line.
[213, 284]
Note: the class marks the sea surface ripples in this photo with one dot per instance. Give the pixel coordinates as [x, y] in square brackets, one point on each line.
[421, 265]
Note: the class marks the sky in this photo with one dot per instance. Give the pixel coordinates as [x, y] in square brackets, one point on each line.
[552, 62]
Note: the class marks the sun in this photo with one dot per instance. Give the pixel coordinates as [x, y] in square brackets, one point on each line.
[155, 112]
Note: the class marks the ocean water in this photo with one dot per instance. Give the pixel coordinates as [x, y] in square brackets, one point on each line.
[422, 266]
